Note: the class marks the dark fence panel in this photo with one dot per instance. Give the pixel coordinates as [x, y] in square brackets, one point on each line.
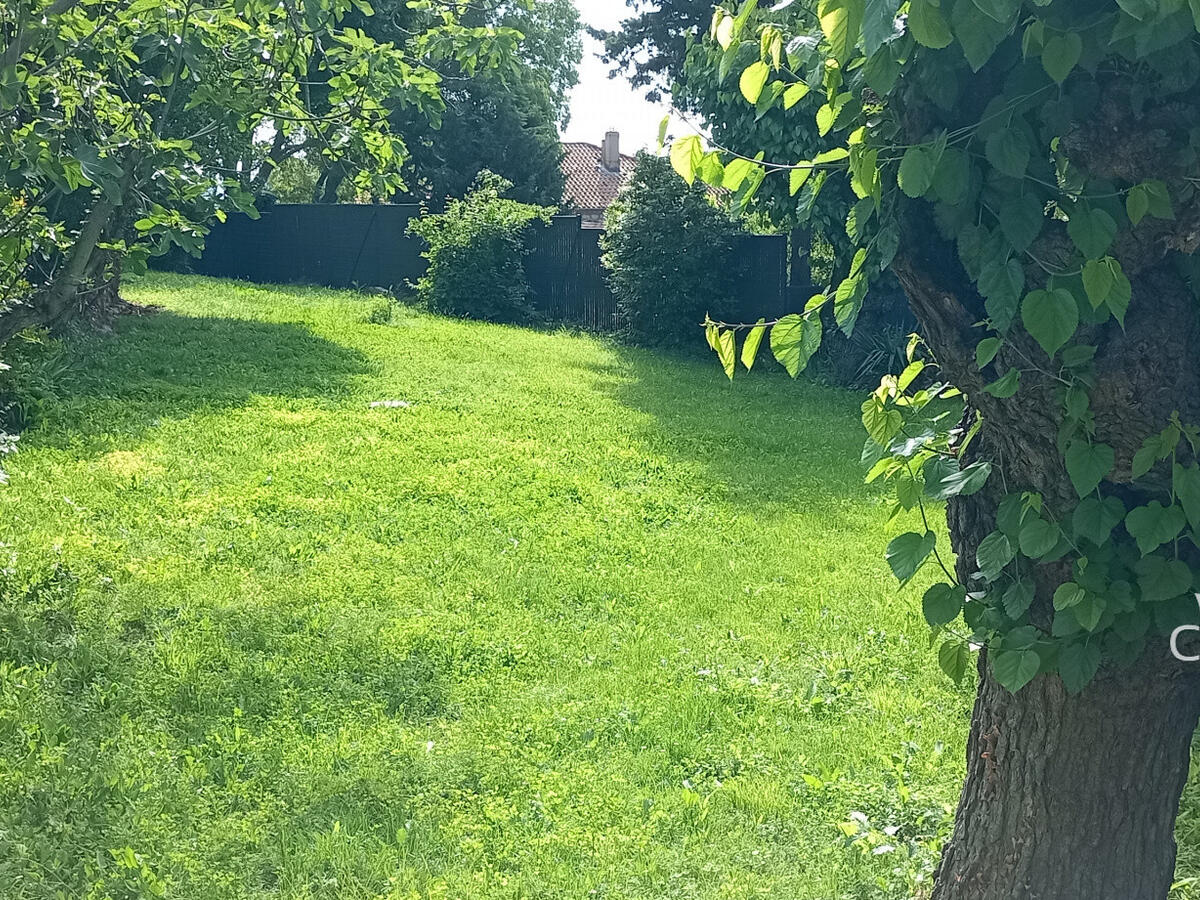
[368, 246]
[762, 284]
[335, 244]
[552, 267]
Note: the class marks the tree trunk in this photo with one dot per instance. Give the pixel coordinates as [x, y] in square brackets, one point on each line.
[1066, 797]
[59, 298]
[1073, 797]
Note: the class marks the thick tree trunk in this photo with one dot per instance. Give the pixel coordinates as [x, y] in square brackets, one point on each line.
[1066, 797]
[1073, 797]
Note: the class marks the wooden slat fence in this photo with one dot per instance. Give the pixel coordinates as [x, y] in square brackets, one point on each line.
[342, 245]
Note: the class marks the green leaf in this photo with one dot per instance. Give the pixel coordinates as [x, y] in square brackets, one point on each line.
[798, 176]
[1051, 317]
[750, 347]
[916, 171]
[986, 351]
[1098, 280]
[1149, 197]
[1092, 231]
[1037, 537]
[961, 482]
[1186, 482]
[1078, 664]
[1138, 9]
[994, 553]
[952, 176]
[794, 340]
[1162, 579]
[1018, 598]
[1137, 204]
[879, 24]
[1001, 286]
[1014, 669]
[954, 656]
[1153, 525]
[686, 153]
[881, 71]
[848, 299]
[842, 21]
[662, 131]
[737, 172]
[1089, 610]
[1087, 464]
[727, 351]
[753, 80]
[1008, 150]
[1006, 385]
[908, 552]
[942, 603]
[1120, 295]
[794, 94]
[1061, 54]
[1095, 519]
[1021, 219]
[1068, 594]
[999, 10]
[927, 24]
[978, 34]
[881, 422]
[711, 171]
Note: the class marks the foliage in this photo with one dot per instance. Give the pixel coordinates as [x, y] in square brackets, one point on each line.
[500, 121]
[670, 252]
[1049, 232]
[476, 251]
[651, 45]
[295, 180]
[381, 637]
[500, 118]
[125, 127]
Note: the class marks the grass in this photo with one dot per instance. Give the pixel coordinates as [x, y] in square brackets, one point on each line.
[577, 621]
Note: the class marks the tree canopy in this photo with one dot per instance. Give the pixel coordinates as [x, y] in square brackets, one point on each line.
[129, 126]
[502, 119]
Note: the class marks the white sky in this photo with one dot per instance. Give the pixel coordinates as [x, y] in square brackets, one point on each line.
[599, 102]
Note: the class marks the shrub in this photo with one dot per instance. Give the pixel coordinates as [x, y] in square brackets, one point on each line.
[877, 346]
[671, 255]
[476, 254]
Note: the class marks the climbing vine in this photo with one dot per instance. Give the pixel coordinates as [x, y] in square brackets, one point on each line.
[987, 117]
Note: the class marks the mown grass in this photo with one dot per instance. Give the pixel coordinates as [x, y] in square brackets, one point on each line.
[577, 621]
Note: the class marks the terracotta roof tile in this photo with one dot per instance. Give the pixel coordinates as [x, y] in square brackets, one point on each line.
[589, 184]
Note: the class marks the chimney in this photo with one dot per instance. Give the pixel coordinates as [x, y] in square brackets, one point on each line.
[610, 152]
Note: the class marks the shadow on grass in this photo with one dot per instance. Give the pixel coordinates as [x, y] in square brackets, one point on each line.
[167, 366]
[768, 439]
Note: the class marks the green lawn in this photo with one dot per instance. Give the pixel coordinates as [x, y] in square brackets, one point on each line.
[577, 622]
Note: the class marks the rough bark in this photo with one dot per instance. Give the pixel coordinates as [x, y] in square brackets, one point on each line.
[1073, 797]
[1066, 796]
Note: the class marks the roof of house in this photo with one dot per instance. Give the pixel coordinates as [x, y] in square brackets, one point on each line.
[589, 184]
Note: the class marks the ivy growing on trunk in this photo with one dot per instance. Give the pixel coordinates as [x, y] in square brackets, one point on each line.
[1028, 170]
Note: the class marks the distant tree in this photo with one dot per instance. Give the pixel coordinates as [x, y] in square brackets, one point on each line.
[651, 46]
[670, 254]
[503, 118]
[128, 126]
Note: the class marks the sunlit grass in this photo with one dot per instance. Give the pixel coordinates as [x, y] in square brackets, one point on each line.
[573, 621]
